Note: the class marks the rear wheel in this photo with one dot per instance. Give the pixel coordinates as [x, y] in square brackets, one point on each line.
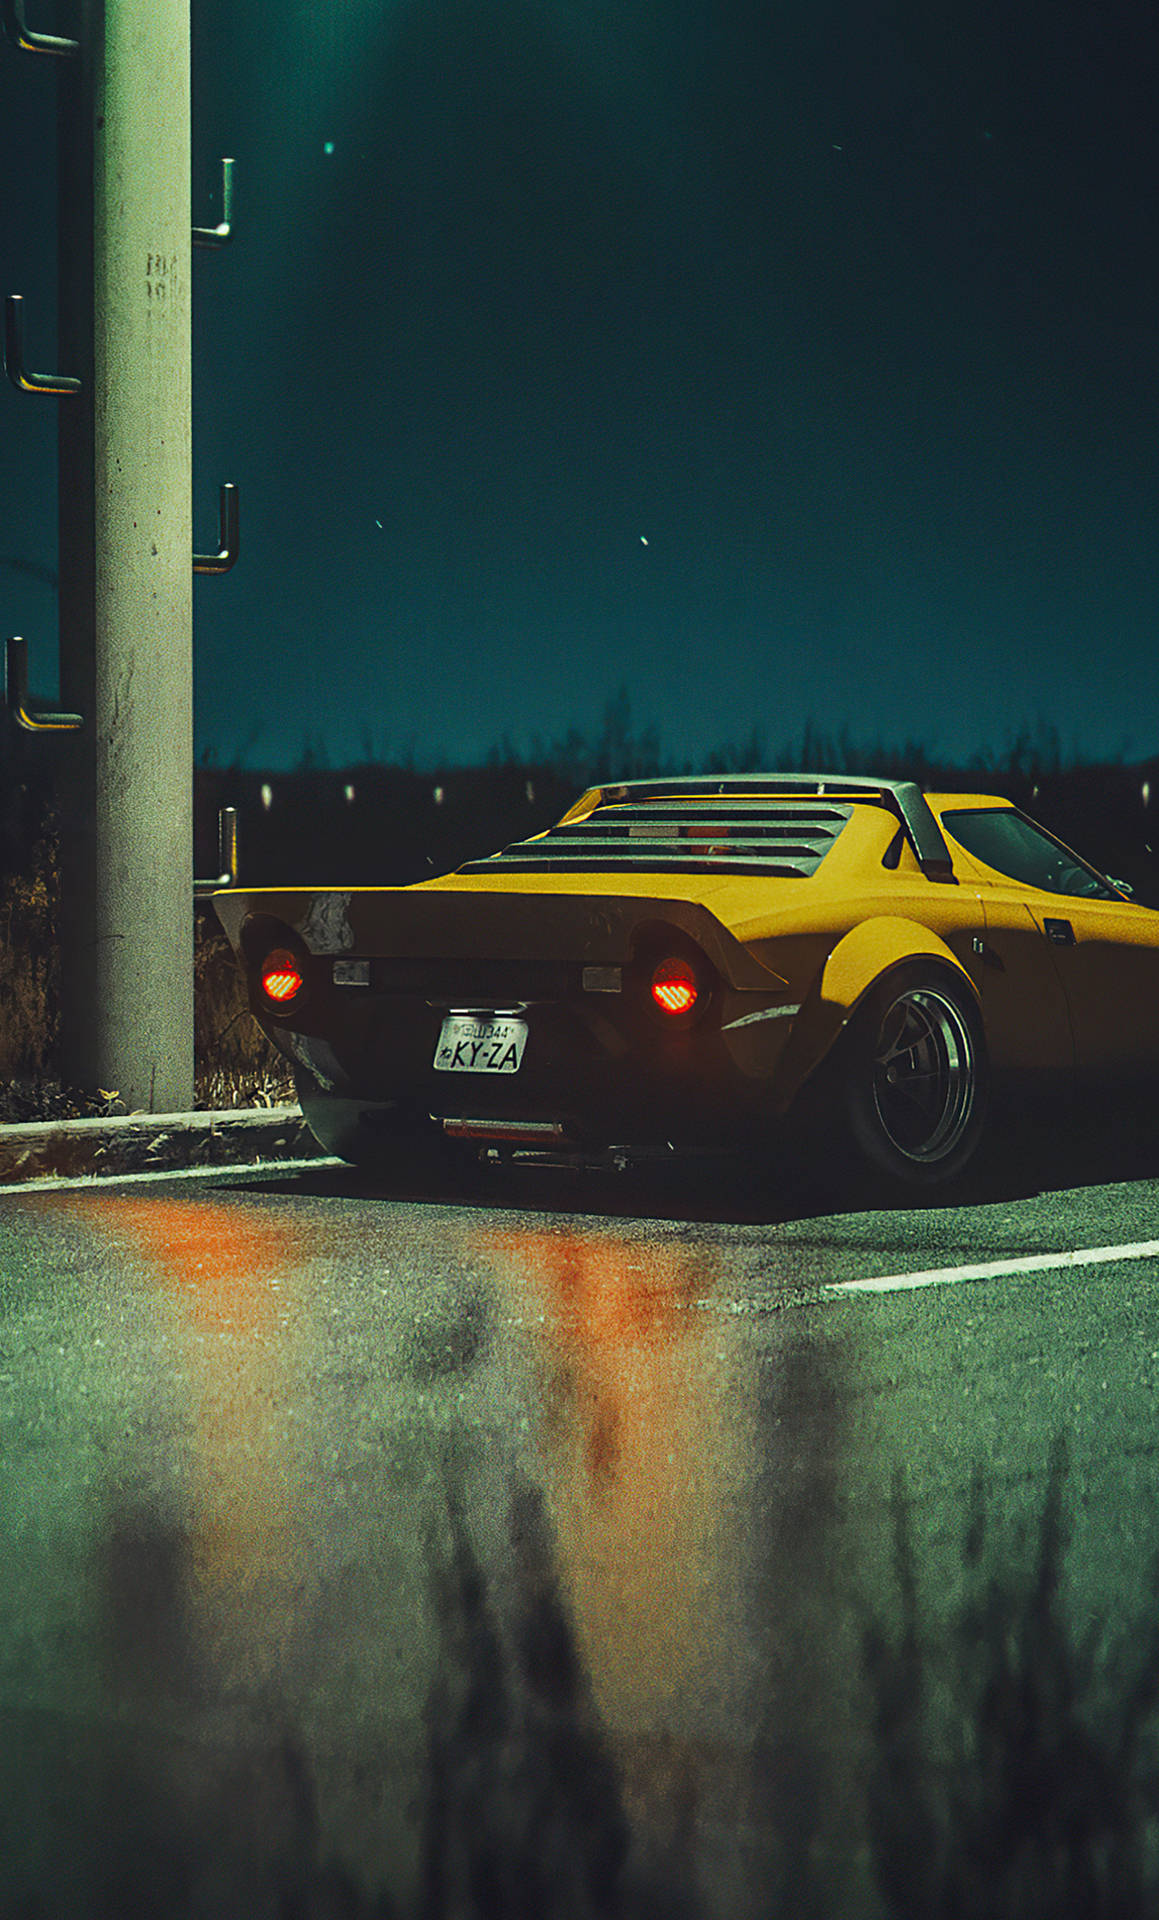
[912, 1078]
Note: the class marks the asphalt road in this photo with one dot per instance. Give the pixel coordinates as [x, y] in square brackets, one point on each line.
[579, 1548]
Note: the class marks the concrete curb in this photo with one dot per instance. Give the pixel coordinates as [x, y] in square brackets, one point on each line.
[153, 1142]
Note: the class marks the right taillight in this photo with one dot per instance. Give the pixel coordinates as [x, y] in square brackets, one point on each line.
[281, 977]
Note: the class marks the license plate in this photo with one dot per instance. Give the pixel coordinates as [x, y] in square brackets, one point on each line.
[470, 1043]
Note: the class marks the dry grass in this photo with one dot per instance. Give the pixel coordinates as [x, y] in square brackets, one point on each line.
[30, 971]
[234, 1064]
[1036, 1795]
[1007, 1782]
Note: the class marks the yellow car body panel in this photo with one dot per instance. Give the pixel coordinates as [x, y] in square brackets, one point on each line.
[867, 953]
[1091, 962]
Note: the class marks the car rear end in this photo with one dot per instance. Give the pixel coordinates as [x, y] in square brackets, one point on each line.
[551, 1019]
[628, 980]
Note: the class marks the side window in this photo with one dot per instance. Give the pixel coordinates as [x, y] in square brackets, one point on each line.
[1012, 844]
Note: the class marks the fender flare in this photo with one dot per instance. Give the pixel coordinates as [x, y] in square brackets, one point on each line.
[861, 958]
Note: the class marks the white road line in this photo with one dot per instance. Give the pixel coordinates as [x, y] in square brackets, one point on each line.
[991, 1269]
[93, 1182]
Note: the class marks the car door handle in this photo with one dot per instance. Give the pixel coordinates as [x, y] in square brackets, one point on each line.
[1060, 933]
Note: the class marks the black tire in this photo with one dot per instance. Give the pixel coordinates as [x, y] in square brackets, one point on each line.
[912, 1078]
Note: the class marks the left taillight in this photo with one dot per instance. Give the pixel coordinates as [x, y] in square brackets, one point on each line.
[281, 977]
[675, 987]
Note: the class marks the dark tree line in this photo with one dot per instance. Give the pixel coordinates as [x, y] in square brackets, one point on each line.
[387, 823]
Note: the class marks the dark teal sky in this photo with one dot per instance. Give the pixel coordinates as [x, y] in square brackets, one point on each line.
[774, 361]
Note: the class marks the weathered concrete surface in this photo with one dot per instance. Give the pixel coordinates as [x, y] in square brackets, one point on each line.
[49, 1149]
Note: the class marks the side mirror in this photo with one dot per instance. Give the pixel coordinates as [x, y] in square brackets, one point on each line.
[1124, 886]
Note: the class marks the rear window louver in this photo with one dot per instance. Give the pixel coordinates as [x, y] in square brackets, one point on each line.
[730, 835]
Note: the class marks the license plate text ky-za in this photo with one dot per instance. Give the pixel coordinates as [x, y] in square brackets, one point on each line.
[471, 1043]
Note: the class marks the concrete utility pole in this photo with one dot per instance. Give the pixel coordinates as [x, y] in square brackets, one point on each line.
[143, 537]
[126, 545]
[126, 552]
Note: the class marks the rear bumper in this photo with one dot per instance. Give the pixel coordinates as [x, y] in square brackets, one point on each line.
[604, 1064]
[583, 1086]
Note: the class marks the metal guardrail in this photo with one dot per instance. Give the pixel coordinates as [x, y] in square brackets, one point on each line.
[226, 855]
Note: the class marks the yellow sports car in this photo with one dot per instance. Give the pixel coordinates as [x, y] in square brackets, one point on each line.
[693, 963]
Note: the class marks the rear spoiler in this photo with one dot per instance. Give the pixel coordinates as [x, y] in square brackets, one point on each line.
[903, 798]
